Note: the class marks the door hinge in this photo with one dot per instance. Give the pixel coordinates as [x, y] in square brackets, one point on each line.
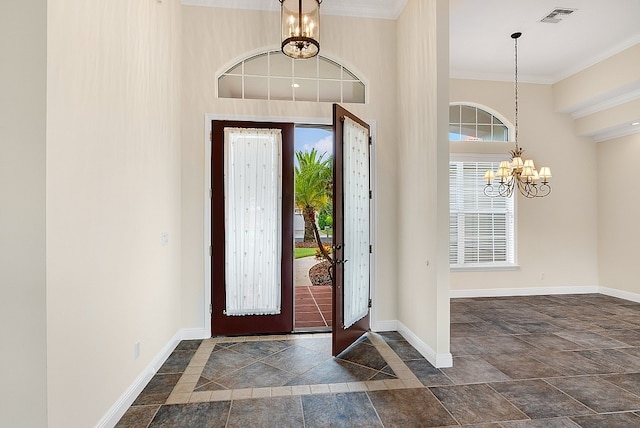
[211, 136]
[370, 140]
[210, 193]
[210, 308]
[370, 303]
[210, 251]
[370, 249]
[370, 194]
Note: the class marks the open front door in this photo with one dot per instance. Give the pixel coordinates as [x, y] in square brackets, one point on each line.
[351, 228]
[252, 228]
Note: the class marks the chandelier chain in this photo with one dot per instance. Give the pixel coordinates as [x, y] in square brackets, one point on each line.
[516, 91]
[518, 175]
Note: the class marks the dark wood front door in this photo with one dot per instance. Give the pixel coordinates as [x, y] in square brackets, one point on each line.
[351, 228]
[252, 234]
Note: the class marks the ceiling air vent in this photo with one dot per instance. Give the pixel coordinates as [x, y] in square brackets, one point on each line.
[557, 14]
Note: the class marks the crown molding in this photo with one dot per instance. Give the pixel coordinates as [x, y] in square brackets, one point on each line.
[498, 77]
[272, 6]
[614, 50]
[606, 104]
[380, 9]
[544, 79]
[620, 132]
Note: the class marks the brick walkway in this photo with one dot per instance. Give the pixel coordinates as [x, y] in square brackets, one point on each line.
[312, 307]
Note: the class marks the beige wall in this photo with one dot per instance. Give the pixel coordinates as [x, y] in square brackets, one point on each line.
[113, 187]
[23, 29]
[618, 213]
[423, 201]
[604, 98]
[557, 235]
[212, 43]
[614, 76]
[120, 96]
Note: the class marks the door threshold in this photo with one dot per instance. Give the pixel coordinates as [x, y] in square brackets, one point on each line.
[312, 330]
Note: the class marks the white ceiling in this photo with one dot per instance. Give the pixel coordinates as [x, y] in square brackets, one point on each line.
[481, 46]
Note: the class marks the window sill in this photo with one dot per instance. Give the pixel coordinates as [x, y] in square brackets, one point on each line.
[480, 268]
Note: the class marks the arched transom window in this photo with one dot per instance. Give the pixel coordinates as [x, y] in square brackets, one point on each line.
[274, 76]
[471, 123]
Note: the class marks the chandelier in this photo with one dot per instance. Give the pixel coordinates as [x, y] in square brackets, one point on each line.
[518, 173]
[300, 22]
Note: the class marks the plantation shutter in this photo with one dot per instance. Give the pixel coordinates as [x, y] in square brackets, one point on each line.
[481, 228]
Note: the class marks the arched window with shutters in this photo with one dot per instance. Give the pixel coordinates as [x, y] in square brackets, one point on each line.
[481, 229]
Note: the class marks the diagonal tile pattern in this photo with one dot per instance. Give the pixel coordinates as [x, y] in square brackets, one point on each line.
[519, 362]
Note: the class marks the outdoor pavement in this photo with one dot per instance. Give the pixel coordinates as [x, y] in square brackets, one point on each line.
[301, 270]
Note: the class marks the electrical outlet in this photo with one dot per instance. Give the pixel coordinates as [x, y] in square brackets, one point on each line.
[136, 350]
[541, 276]
[164, 238]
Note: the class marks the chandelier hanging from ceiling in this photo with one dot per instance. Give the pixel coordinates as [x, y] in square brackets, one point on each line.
[300, 25]
[518, 173]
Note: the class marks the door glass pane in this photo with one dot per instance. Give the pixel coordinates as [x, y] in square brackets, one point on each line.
[253, 221]
[356, 222]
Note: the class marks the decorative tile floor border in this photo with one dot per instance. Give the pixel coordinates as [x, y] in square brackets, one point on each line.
[184, 392]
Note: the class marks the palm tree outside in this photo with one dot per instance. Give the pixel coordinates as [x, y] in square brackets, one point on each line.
[313, 191]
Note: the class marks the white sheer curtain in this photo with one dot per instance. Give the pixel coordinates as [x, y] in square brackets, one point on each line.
[253, 220]
[356, 221]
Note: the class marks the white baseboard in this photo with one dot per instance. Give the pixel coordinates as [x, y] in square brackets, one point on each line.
[194, 333]
[527, 291]
[438, 360]
[386, 325]
[626, 295]
[111, 418]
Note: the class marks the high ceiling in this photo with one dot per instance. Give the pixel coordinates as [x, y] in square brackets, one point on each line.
[481, 46]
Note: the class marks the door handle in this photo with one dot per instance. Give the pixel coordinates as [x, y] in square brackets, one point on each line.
[333, 264]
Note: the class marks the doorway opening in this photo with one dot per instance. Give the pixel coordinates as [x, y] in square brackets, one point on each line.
[252, 232]
[313, 227]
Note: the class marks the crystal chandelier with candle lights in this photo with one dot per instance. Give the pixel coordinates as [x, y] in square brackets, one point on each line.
[300, 22]
[518, 173]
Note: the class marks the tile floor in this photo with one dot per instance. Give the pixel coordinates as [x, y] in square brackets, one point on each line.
[519, 362]
[312, 307]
